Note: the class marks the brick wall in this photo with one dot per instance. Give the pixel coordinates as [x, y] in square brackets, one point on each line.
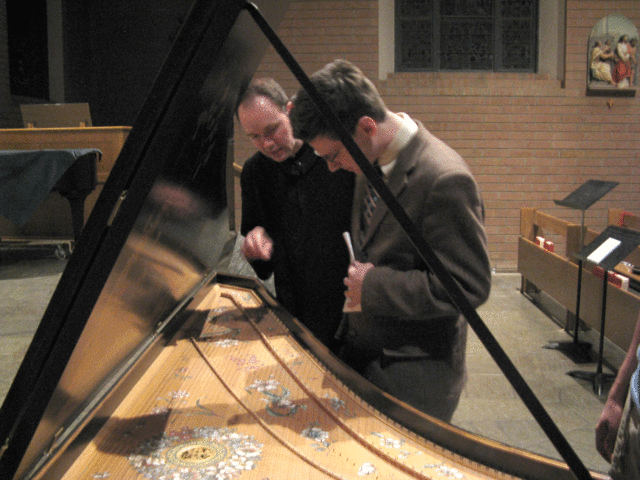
[528, 138]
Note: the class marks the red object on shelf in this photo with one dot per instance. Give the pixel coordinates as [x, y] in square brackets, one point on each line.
[614, 279]
[622, 215]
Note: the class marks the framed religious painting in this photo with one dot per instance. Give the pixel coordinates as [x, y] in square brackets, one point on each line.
[612, 64]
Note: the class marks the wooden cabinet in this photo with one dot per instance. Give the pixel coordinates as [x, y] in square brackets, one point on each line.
[53, 217]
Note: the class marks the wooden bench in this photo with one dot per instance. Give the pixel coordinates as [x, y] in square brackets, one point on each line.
[557, 275]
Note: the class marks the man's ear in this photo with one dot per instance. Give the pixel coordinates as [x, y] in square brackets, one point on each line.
[288, 107]
[367, 125]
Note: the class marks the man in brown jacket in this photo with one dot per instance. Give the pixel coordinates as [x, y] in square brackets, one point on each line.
[407, 338]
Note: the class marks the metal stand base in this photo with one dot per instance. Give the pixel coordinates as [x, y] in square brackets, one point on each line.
[598, 379]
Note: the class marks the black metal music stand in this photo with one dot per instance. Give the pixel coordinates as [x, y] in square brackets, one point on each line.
[608, 249]
[581, 199]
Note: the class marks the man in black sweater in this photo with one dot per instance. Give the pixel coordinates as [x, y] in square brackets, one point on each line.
[294, 211]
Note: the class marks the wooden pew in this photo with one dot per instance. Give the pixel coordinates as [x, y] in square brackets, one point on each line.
[620, 217]
[557, 276]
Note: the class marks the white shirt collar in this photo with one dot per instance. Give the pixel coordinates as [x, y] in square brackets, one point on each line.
[407, 130]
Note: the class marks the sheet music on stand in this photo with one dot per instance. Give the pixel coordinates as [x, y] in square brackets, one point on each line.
[607, 250]
[611, 247]
[581, 199]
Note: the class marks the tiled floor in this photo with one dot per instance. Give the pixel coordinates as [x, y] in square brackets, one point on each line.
[489, 405]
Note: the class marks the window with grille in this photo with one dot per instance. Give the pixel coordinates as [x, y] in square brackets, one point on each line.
[466, 35]
[28, 48]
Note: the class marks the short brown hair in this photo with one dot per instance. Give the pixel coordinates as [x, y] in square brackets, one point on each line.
[348, 92]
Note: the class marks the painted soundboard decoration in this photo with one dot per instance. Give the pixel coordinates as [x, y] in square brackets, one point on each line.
[240, 399]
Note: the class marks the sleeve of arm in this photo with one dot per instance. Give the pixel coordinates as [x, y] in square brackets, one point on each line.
[253, 215]
[453, 228]
[620, 387]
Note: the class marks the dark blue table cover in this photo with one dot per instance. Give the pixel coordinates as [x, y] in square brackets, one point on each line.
[27, 177]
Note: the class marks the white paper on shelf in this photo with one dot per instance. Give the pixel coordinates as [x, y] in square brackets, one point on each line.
[600, 253]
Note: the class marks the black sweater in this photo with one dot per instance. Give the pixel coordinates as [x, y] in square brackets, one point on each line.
[304, 208]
